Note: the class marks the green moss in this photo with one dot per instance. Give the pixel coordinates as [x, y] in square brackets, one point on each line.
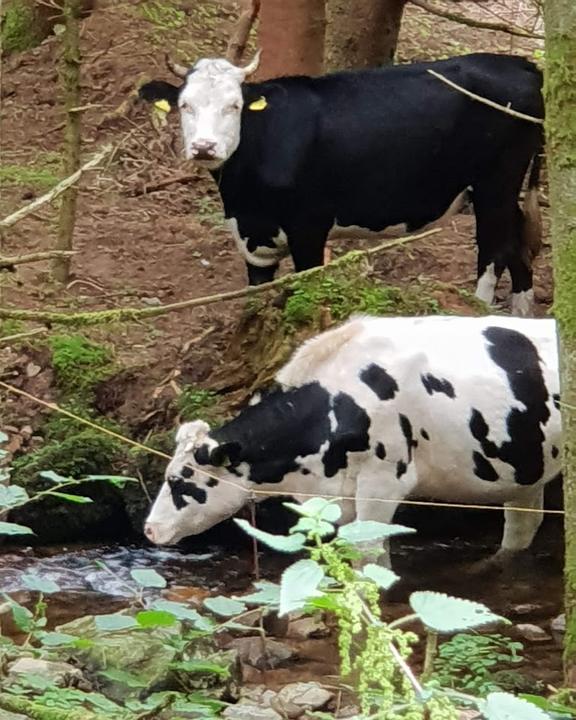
[10, 327]
[195, 403]
[20, 28]
[163, 13]
[43, 173]
[79, 363]
[345, 292]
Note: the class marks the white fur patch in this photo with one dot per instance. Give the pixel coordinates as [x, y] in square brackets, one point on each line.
[263, 256]
[486, 285]
[522, 303]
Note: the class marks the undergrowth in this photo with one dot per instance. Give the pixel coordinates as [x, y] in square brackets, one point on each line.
[43, 173]
[196, 403]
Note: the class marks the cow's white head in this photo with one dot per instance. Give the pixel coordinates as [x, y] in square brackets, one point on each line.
[191, 501]
[210, 103]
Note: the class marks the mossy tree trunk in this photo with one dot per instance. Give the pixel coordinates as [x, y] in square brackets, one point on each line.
[70, 83]
[291, 36]
[560, 92]
[362, 33]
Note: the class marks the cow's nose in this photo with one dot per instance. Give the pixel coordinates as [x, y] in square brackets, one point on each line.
[204, 149]
[150, 532]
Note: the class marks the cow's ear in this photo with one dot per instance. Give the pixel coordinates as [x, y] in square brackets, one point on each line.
[286, 128]
[219, 456]
[159, 90]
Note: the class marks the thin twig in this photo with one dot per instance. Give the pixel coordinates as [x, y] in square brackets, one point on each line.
[130, 314]
[9, 262]
[483, 24]
[21, 336]
[152, 187]
[56, 190]
[485, 101]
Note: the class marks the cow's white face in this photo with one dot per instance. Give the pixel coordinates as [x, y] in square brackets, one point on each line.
[191, 501]
[210, 104]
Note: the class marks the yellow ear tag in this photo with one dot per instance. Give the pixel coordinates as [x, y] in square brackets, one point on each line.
[163, 106]
[259, 104]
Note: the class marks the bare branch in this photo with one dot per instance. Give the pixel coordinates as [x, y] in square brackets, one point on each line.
[7, 263]
[56, 190]
[483, 24]
[485, 101]
[239, 39]
[23, 335]
[130, 314]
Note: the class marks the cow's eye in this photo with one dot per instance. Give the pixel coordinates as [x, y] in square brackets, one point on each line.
[233, 107]
[187, 108]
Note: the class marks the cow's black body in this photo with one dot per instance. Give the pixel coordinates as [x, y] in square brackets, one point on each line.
[374, 148]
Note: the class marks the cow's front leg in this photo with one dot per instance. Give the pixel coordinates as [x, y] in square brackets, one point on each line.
[307, 245]
[262, 244]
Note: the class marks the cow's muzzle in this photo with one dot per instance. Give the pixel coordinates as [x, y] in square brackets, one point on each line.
[203, 150]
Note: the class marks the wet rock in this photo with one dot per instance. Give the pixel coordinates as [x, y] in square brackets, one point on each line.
[532, 633]
[525, 609]
[307, 627]
[348, 711]
[297, 698]
[264, 655]
[250, 712]
[62, 674]
[259, 695]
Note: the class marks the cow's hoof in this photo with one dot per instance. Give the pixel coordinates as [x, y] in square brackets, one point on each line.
[494, 565]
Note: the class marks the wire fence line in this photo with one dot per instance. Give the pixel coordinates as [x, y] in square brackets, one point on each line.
[267, 493]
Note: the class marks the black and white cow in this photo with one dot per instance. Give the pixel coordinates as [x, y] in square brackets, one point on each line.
[454, 408]
[298, 158]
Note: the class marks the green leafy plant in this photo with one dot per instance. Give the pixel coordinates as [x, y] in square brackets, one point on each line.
[375, 652]
[195, 402]
[471, 662]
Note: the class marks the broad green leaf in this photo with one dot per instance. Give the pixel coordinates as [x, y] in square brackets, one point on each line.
[112, 623]
[183, 612]
[155, 618]
[78, 499]
[23, 618]
[126, 678]
[56, 639]
[550, 705]
[148, 578]
[308, 525]
[200, 666]
[299, 582]
[38, 682]
[32, 581]
[446, 614]
[282, 543]
[383, 577]
[198, 701]
[116, 480]
[267, 593]
[318, 508]
[10, 528]
[12, 495]
[53, 476]
[503, 706]
[224, 606]
[102, 703]
[361, 531]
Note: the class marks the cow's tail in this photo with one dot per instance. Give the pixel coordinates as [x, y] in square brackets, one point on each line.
[532, 227]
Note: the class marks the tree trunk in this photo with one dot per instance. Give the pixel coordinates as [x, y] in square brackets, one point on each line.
[291, 37]
[362, 33]
[70, 81]
[560, 92]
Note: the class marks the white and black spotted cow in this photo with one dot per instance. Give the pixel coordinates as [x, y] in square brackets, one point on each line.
[297, 159]
[454, 408]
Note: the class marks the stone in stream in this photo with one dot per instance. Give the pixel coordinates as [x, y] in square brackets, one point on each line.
[532, 633]
[247, 711]
[297, 698]
[60, 673]
[262, 654]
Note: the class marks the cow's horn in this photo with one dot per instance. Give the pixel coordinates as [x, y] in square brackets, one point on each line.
[252, 65]
[179, 70]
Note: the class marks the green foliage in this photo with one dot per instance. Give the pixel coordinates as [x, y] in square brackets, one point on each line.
[196, 403]
[164, 14]
[19, 29]
[10, 327]
[42, 174]
[79, 363]
[471, 663]
[346, 291]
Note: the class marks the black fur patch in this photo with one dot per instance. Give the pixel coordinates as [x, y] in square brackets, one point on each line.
[351, 434]
[401, 468]
[555, 452]
[518, 357]
[483, 468]
[437, 385]
[556, 400]
[424, 434]
[406, 427]
[180, 489]
[186, 472]
[211, 482]
[479, 429]
[380, 451]
[382, 385]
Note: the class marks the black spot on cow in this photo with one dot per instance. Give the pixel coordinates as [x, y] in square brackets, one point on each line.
[382, 385]
[401, 468]
[186, 472]
[305, 471]
[212, 482]
[437, 385]
[555, 452]
[424, 434]
[406, 427]
[380, 451]
[518, 357]
[556, 400]
[479, 429]
[180, 489]
[483, 468]
[351, 434]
